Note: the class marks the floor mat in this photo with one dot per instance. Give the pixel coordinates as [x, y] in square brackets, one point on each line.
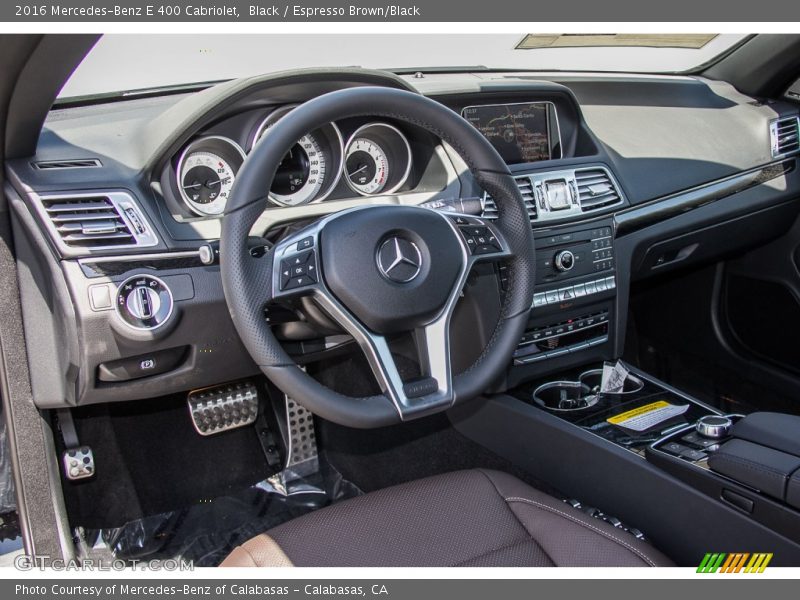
[206, 532]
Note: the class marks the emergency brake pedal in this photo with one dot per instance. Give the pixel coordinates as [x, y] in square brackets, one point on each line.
[220, 408]
[77, 459]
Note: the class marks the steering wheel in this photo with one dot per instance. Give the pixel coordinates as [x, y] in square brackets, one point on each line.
[379, 270]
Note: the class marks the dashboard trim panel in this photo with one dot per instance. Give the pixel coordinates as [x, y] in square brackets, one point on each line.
[655, 211]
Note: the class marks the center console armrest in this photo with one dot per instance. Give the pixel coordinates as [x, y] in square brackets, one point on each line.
[756, 466]
[773, 430]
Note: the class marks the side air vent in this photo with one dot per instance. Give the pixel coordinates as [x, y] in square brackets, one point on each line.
[596, 189]
[526, 189]
[48, 165]
[784, 135]
[87, 222]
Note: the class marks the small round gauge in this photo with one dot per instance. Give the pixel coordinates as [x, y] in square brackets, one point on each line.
[206, 171]
[377, 159]
[311, 168]
[366, 166]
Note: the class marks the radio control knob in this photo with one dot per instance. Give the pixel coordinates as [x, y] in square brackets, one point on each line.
[564, 260]
[714, 426]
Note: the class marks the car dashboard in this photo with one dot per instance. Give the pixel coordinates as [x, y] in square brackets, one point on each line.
[118, 215]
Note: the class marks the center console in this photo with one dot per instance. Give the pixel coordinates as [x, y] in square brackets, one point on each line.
[572, 314]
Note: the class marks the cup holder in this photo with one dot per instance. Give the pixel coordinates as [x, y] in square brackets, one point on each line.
[593, 378]
[564, 396]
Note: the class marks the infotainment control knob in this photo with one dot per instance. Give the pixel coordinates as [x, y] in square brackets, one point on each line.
[714, 426]
[144, 302]
[564, 260]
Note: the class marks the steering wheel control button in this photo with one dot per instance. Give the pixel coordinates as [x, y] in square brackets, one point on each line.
[399, 260]
[299, 270]
[305, 243]
[144, 302]
[714, 427]
[221, 408]
[480, 238]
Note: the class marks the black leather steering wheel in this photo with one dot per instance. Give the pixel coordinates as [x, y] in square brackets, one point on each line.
[379, 270]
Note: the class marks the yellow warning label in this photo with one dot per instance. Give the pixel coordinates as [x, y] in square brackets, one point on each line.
[637, 412]
[647, 416]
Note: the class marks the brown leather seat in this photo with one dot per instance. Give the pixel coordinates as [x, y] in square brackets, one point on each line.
[468, 518]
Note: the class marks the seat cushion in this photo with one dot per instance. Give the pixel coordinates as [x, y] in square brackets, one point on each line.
[473, 518]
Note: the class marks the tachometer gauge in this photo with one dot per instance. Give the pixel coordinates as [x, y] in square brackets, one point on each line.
[311, 168]
[377, 159]
[366, 166]
[206, 171]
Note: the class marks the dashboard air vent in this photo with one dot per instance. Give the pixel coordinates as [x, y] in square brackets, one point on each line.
[96, 221]
[47, 165]
[596, 189]
[525, 188]
[784, 135]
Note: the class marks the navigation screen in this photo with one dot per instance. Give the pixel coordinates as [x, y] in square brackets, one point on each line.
[519, 132]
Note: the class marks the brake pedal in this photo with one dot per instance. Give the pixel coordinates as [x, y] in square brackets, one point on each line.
[220, 408]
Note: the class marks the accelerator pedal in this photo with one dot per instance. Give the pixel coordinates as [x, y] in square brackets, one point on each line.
[301, 456]
[223, 407]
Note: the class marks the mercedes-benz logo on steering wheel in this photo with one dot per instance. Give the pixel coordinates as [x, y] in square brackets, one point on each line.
[399, 260]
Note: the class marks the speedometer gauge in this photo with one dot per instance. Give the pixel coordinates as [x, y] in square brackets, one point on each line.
[206, 171]
[366, 166]
[311, 168]
[377, 159]
[301, 174]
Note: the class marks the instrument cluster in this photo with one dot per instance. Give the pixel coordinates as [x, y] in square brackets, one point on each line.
[374, 159]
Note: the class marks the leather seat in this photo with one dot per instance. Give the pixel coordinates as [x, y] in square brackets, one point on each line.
[471, 518]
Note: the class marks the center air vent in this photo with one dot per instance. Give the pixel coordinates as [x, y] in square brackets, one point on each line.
[525, 188]
[596, 189]
[784, 135]
[96, 221]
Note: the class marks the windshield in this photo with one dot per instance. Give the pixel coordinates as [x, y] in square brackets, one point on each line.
[131, 62]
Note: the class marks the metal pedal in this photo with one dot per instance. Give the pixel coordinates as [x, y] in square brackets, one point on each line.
[301, 455]
[78, 463]
[220, 408]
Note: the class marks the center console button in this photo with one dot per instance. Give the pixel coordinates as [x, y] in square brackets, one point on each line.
[675, 448]
[552, 297]
[693, 455]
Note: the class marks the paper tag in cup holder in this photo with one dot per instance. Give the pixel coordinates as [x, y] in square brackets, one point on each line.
[614, 377]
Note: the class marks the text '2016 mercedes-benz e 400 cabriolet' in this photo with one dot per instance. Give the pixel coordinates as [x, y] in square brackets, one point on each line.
[538, 313]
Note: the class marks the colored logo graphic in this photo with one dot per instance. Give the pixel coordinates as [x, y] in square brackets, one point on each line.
[737, 562]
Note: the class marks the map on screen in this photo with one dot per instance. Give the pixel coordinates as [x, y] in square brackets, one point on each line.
[519, 132]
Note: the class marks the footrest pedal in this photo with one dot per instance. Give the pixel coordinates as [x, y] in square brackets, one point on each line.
[78, 463]
[220, 408]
